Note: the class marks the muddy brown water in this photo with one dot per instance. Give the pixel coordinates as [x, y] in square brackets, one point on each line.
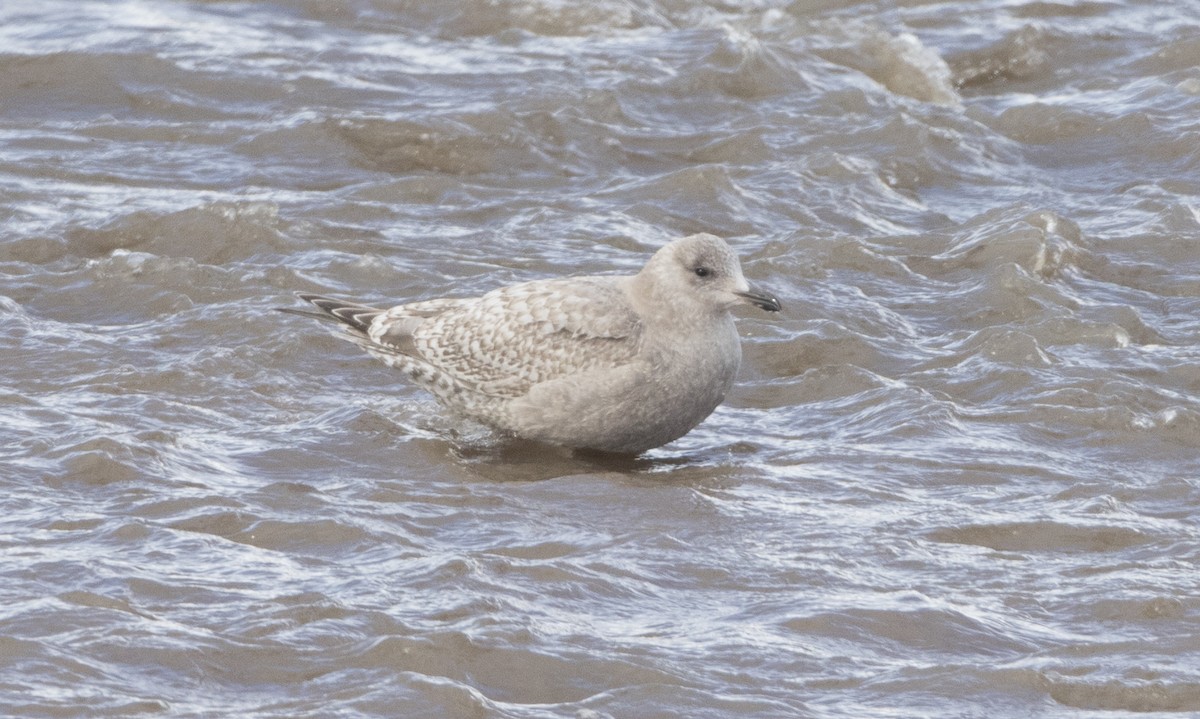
[958, 476]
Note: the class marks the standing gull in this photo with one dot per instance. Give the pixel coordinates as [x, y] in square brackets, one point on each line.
[611, 363]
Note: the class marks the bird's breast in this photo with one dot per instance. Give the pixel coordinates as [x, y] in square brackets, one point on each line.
[702, 366]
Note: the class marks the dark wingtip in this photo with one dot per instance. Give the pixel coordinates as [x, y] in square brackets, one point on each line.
[306, 313]
[352, 314]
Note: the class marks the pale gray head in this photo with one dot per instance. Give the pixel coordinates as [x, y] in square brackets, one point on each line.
[702, 270]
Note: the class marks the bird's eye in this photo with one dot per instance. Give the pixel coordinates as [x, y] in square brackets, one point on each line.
[702, 271]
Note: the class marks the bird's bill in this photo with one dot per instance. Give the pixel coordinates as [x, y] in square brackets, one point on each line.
[761, 300]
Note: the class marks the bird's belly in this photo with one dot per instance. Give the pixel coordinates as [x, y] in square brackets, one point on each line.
[627, 409]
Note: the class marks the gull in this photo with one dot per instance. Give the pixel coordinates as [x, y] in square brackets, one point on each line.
[618, 364]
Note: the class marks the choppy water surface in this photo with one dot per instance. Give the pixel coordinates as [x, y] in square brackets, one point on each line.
[958, 477]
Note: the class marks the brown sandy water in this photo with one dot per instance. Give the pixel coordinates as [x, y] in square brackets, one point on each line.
[958, 477]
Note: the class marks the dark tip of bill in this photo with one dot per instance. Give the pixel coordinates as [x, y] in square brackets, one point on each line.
[765, 302]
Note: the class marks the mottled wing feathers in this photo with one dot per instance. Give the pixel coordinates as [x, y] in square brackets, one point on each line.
[394, 328]
[510, 339]
[501, 344]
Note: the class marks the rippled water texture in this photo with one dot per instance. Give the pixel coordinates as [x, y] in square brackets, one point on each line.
[958, 476]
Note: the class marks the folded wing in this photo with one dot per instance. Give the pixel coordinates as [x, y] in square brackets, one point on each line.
[510, 339]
